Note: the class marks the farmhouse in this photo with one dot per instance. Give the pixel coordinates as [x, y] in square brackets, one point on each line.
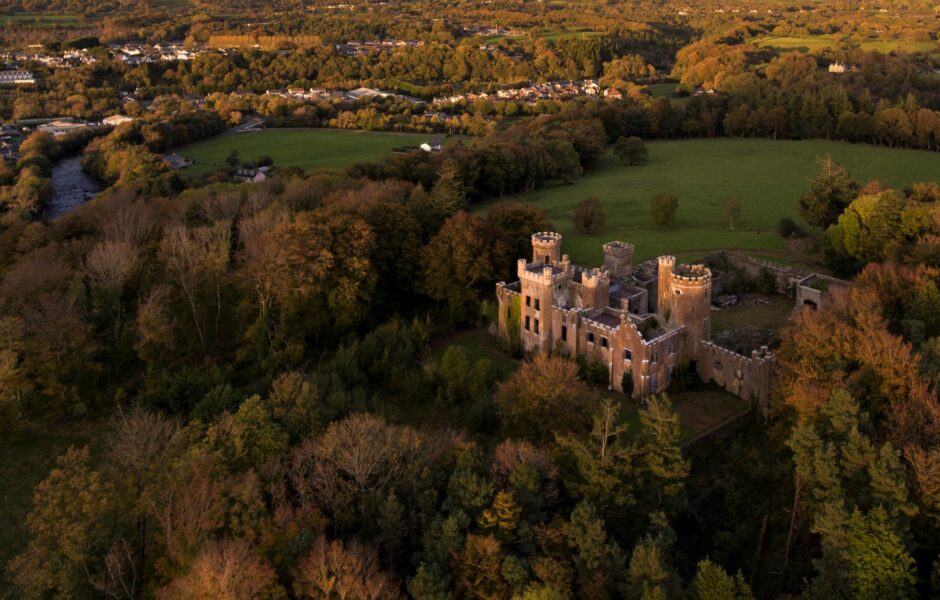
[644, 324]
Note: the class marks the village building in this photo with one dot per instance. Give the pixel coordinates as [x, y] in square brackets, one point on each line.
[644, 324]
[115, 120]
[59, 128]
[16, 77]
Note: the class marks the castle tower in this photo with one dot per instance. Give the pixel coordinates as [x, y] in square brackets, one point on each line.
[546, 247]
[664, 290]
[595, 289]
[618, 259]
[690, 287]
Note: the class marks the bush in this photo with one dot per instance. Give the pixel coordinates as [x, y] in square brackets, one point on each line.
[631, 150]
[593, 371]
[663, 209]
[589, 216]
[788, 228]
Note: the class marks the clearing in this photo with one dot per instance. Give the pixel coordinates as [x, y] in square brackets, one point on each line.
[306, 148]
[766, 175]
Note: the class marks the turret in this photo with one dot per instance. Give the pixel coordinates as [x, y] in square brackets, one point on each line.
[546, 247]
[618, 259]
[595, 289]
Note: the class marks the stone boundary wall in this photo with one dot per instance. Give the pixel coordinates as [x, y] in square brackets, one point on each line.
[747, 377]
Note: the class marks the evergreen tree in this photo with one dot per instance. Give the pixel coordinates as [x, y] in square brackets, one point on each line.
[830, 193]
[661, 450]
[449, 195]
[711, 582]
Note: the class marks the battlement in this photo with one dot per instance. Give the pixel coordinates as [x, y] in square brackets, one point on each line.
[595, 277]
[539, 273]
[546, 247]
[618, 249]
[692, 274]
[546, 237]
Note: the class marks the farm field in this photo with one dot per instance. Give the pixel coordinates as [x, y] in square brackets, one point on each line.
[306, 148]
[767, 176]
[816, 43]
[40, 19]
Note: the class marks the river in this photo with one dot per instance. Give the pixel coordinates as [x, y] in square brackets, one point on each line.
[71, 187]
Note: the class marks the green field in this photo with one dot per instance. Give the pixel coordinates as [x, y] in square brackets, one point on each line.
[815, 43]
[42, 20]
[766, 176]
[297, 147]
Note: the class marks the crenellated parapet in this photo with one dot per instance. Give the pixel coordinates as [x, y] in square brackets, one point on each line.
[546, 247]
[691, 275]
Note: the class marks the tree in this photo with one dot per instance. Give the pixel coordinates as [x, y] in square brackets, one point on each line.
[349, 470]
[448, 196]
[731, 211]
[830, 193]
[68, 528]
[458, 263]
[249, 438]
[631, 150]
[663, 209]
[233, 159]
[346, 571]
[589, 216]
[660, 447]
[225, 570]
[711, 582]
[543, 397]
[606, 462]
[869, 230]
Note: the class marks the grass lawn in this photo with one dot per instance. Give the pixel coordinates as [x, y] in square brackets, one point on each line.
[663, 89]
[26, 459]
[767, 176]
[481, 345]
[305, 148]
[815, 43]
[748, 313]
[699, 411]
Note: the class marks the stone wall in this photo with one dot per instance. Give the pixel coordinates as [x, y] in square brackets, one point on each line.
[748, 377]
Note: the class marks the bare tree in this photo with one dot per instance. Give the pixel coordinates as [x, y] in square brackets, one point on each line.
[196, 256]
[344, 571]
[225, 570]
[188, 506]
[140, 442]
[119, 579]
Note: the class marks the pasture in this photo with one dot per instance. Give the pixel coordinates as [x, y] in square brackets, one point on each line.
[305, 148]
[816, 43]
[767, 176]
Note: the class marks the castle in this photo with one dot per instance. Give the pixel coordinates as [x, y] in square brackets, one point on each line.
[642, 323]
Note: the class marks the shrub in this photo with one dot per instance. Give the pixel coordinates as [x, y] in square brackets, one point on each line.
[788, 228]
[589, 216]
[663, 209]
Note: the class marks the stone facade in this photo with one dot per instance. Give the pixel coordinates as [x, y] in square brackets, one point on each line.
[642, 322]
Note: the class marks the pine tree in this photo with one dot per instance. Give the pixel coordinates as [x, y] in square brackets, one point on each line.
[711, 582]
[661, 449]
[448, 196]
[830, 193]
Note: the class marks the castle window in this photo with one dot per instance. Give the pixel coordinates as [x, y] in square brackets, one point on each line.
[528, 300]
[627, 355]
[545, 259]
[537, 304]
[590, 338]
[603, 342]
[536, 326]
[564, 333]
[717, 365]
[672, 348]
[669, 372]
[652, 356]
[527, 323]
[739, 374]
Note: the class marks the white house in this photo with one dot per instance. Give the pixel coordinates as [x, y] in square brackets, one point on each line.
[115, 120]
